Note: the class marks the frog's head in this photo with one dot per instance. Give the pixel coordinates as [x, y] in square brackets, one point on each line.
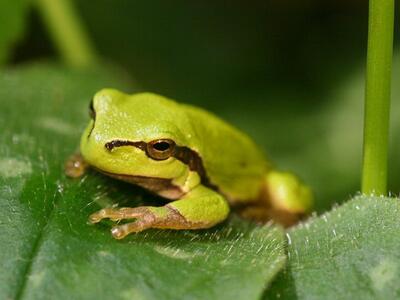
[136, 135]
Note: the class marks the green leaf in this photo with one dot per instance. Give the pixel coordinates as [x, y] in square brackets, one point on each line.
[349, 253]
[12, 16]
[49, 251]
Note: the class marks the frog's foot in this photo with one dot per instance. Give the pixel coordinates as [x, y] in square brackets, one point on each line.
[153, 218]
[117, 214]
[75, 166]
[146, 217]
[200, 208]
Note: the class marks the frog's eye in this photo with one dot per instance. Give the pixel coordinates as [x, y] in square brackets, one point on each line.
[92, 112]
[160, 149]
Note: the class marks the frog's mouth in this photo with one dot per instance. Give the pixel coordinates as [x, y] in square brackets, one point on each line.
[160, 186]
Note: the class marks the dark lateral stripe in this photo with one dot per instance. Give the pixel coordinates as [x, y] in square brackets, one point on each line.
[119, 143]
[192, 159]
[186, 155]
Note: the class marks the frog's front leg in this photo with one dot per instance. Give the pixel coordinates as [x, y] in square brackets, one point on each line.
[199, 208]
[75, 166]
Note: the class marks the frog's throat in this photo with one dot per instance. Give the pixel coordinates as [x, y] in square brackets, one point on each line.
[160, 186]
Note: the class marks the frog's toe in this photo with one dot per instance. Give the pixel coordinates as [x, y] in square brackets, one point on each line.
[117, 214]
[97, 216]
[121, 231]
[118, 233]
[75, 166]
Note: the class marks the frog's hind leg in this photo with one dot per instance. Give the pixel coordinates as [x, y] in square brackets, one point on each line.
[200, 208]
[283, 199]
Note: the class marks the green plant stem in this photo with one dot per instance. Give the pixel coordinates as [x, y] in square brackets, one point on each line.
[377, 96]
[67, 32]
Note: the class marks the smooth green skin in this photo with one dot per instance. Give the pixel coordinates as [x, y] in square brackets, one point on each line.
[231, 159]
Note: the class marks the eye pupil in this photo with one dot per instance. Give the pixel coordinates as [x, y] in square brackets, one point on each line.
[160, 149]
[161, 146]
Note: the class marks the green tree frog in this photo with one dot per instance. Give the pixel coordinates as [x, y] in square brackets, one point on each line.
[187, 155]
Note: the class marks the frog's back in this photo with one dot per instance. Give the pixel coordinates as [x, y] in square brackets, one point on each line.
[232, 160]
